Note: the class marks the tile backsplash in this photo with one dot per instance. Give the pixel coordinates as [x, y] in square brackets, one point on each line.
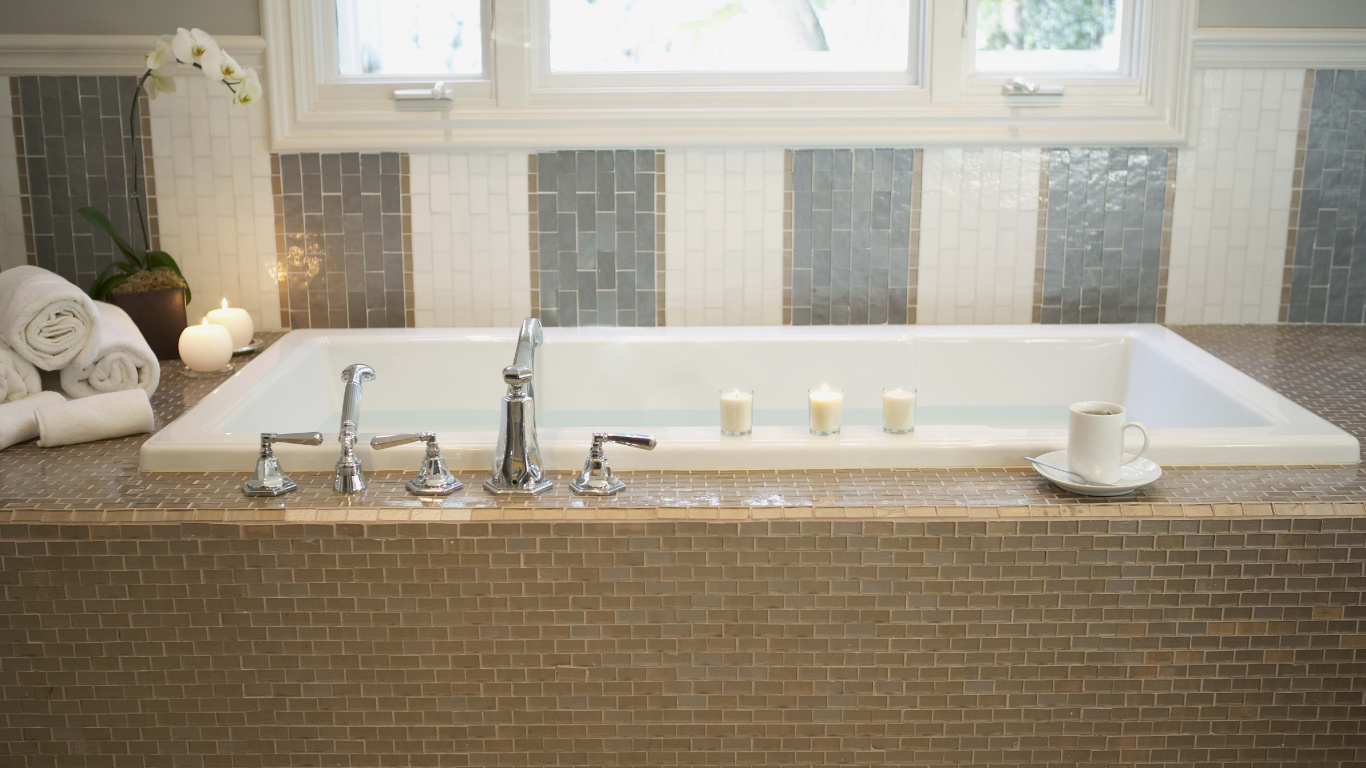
[1255, 220]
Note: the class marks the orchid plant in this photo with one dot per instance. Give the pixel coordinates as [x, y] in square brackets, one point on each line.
[188, 47]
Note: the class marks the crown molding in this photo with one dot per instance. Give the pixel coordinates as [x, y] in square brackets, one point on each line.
[1259, 48]
[102, 54]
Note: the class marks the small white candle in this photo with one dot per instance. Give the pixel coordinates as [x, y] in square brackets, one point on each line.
[206, 347]
[826, 404]
[898, 410]
[236, 320]
[737, 412]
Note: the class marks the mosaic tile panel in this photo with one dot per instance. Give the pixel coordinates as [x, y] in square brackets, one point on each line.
[1328, 265]
[597, 237]
[344, 240]
[1059, 643]
[73, 146]
[1107, 235]
[854, 237]
[1317, 366]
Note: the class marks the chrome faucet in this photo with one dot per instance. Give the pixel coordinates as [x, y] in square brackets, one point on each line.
[349, 478]
[517, 460]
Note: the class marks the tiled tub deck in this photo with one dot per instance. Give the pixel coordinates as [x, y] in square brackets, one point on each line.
[1321, 367]
[168, 622]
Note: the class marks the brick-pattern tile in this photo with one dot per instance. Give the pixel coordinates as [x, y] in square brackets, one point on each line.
[977, 241]
[1328, 276]
[725, 230]
[471, 254]
[1104, 235]
[597, 237]
[72, 141]
[216, 215]
[1058, 643]
[343, 226]
[854, 237]
[1317, 366]
[1233, 197]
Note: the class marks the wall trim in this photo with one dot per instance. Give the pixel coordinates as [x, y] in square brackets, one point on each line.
[1257, 48]
[102, 54]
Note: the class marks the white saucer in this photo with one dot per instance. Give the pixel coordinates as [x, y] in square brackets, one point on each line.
[1131, 476]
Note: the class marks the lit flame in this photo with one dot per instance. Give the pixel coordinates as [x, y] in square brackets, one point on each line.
[205, 321]
[225, 302]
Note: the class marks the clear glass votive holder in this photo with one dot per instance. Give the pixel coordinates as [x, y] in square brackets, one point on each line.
[825, 406]
[898, 410]
[737, 412]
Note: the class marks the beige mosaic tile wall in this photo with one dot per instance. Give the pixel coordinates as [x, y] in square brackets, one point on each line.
[1005, 643]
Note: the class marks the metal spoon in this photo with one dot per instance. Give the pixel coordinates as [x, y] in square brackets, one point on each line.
[1061, 469]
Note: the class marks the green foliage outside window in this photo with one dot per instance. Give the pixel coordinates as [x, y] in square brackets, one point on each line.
[1058, 25]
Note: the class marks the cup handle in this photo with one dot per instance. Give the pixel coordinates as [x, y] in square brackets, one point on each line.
[1142, 450]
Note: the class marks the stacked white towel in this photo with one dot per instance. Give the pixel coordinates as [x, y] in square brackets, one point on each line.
[123, 361]
[45, 319]
[18, 378]
[100, 417]
[19, 420]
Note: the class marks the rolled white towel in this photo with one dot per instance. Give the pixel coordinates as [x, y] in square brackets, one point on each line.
[18, 420]
[100, 417]
[124, 361]
[18, 378]
[45, 319]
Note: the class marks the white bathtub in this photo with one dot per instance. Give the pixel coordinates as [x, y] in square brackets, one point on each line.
[988, 395]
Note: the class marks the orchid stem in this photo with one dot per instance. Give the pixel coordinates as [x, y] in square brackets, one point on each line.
[133, 144]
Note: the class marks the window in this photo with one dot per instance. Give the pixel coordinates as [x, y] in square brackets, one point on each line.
[588, 73]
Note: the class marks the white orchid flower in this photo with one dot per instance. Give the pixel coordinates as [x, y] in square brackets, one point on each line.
[249, 89]
[195, 46]
[161, 59]
[228, 68]
[159, 84]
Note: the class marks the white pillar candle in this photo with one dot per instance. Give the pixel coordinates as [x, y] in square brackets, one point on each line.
[826, 405]
[898, 410]
[237, 321]
[206, 347]
[737, 412]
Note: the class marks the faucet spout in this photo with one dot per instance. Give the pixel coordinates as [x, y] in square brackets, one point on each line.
[349, 478]
[517, 459]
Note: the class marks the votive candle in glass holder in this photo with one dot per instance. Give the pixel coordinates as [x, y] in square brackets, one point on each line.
[898, 410]
[737, 412]
[826, 404]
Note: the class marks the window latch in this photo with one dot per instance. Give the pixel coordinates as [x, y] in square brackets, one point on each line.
[438, 92]
[1022, 87]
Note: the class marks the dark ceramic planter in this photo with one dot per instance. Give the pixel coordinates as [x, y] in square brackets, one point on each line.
[159, 314]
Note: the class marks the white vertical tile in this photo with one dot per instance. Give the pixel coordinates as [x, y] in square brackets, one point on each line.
[1232, 205]
[471, 248]
[723, 243]
[212, 163]
[979, 218]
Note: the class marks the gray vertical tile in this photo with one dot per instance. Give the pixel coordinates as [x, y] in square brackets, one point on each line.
[596, 237]
[1328, 265]
[1103, 234]
[851, 209]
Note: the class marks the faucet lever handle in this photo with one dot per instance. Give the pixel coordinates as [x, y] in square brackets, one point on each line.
[597, 479]
[517, 375]
[269, 479]
[380, 442]
[433, 477]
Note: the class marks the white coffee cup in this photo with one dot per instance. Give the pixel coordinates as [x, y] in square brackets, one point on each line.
[1095, 440]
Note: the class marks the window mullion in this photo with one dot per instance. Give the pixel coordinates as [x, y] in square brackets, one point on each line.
[512, 34]
[947, 50]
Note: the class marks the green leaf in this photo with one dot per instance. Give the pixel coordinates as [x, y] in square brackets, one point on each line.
[96, 217]
[163, 259]
[106, 283]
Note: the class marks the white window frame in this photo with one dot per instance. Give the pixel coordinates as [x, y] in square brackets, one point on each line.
[522, 104]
